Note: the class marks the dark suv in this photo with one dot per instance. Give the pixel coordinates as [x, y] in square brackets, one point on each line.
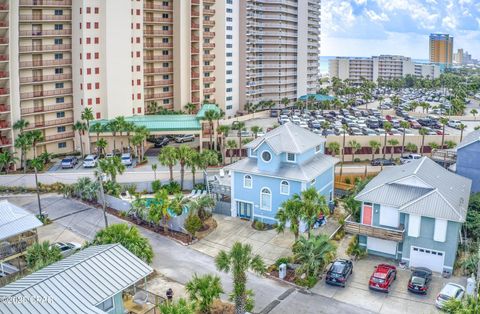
[339, 272]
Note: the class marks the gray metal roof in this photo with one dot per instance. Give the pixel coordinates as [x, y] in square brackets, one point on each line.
[15, 220]
[449, 192]
[307, 171]
[398, 194]
[470, 138]
[77, 283]
[288, 138]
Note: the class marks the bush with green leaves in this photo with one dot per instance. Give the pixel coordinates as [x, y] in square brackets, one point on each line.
[112, 188]
[40, 255]
[203, 290]
[172, 188]
[182, 306]
[259, 225]
[156, 186]
[282, 260]
[313, 254]
[192, 224]
[200, 186]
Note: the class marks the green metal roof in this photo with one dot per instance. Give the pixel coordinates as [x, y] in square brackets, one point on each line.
[158, 123]
[318, 97]
[205, 108]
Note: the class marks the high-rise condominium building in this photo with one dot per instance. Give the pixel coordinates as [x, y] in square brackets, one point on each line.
[117, 57]
[279, 49]
[379, 67]
[441, 49]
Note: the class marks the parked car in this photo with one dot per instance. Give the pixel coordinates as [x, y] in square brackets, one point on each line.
[449, 291]
[108, 155]
[454, 124]
[383, 277]
[420, 280]
[69, 162]
[415, 125]
[161, 141]
[185, 138]
[339, 272]
[381, 161]
[274, 113]
[67, 248]
[409, 158]
[90, 161]
[126, 159]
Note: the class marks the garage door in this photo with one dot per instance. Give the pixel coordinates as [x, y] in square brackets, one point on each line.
[420, 257]
[383, 246]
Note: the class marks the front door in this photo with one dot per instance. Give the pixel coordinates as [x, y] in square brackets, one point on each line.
[244, 210]
[367, 214]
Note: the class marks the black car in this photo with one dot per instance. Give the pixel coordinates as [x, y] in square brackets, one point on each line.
[161, 141]
[381, 161]
[420, 280]
[339, 272]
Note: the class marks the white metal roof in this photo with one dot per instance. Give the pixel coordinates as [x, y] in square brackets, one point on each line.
[470, 138]
[78, 283]
[15, 220]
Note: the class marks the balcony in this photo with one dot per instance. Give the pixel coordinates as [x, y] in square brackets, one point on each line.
[45, 48]
[47, 93]
[4, 91]
[4, 108]
[195, 87]
[194, 50]
[208, 12]
[149, 96]
[209, 45]
[208, 91]
[158, 58]
[208, 68]
[151, 6]
[158, 83]
[195, 26]
[3, 74]
[152, 19]
[44, 17]
[44, 63]
[194, 63]
[209, 79]
[17, 245]
[158, 45]
[49, 32]
[4, 124]
[3, 58]
[3, 7]
[208, 23]
[48, 108]
[3, 41]
[208, 34]
[45, 3]
[195, 75]
[391, 234]
[157, 70]
[45, 124]
[3, 24]
[208, 57]
[45, 78]
[5, 141]
[195, 38]
[157, 32]
[195, 13]
[60, 136]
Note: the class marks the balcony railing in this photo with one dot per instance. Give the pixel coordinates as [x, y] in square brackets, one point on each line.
[208, 11]
[152, 19]
[208, 34]
[194, 63]
[209, 45]
[44, 17]
[4, 108]
[158, 32]
[4, 91]
[48, 32]
[42, 124]
[46, 78]
[3, 57]
[377, 232]
[4, 141]
[3, 40]
[46, 108]
[45, 2]
[195, 38]
[4, 124]
[3, 74]
[208, 68]
[157, 70]
[41, 63]
[209, 90]
[45, 48]
[195, 25]
[158, 83]
[158, 45]
[209, 23]
[209, 57]
[195, 13]
[3, 7]
[158, 58]
[152, 6]
[46, 93]
[59, 136]
[209, 79]
[194, 50]
[195, 87]
[158, 96]
[17, 246]
[4, 24]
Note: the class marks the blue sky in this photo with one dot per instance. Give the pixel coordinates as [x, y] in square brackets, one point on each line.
[373, 27]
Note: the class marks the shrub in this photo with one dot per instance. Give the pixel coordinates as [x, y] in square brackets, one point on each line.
[200, 186]
[192, 224]
[357, 160]
[112, 188]
[258, 225]
[308, 282]
[172, 187]
[355, 249]
[156, 186]
[348, 181]
[130, 188]
[282, 260]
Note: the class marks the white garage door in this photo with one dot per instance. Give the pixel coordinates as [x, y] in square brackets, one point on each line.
[380, 245]
[420, 257]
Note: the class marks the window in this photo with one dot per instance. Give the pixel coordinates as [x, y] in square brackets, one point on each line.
[58, 41]
[58, 70]
[59, 100]
[290, 157]
[265, 199]
[60, 129]
[313, 181]
[266, 156]
[414, 225]
[247, 181]
[317, 149]
[58, 85]
[284, 187]
[61, 114]
[62, 145]
[440, 233]
[58, 12]
[58, 56]
[106, 305]
[58, 27]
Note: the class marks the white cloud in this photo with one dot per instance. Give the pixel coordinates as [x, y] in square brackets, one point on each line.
[449, 22]
[382, 17]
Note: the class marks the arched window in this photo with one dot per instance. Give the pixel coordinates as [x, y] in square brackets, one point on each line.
[284, 187]
[247, 181]
[265, 199]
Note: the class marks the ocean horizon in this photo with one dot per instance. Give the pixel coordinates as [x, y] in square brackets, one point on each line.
[324, 60]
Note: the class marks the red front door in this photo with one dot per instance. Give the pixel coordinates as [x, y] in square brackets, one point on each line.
[367, 215]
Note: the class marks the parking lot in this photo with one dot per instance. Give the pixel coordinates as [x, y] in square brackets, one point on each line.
[398, 300]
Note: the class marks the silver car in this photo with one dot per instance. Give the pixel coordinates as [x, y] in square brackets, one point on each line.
[67, 248]
[449, 291]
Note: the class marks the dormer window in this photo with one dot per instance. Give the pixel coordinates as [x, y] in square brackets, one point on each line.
[266, 156]
[290, 157]
[317, 149]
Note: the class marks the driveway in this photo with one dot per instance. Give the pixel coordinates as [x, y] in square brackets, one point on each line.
[398, 300]
[268, 244]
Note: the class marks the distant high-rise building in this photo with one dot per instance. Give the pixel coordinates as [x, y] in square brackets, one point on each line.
[441, 49]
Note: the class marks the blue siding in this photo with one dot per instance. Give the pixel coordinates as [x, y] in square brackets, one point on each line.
[324, 184]
[274, 163]
[468, 164]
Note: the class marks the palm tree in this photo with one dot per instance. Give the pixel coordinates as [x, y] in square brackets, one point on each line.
[461, 127]
[141, 134]
[152, 107]
[111, 167]
[200, 205]
[154, 169]
[289, 213]
[433, 146]
[80, 127]
[355, 146]
[36, 137]
[120, 123]
[24, 143]
[255, 130]
[422, 132]
[180, 307]
[6, 160]
[113, 127]
[313, 254]
[238, 261]
[37, 165]
[190, 107]
[231, 144]
[223, 130]
[206, 159]
[168, 157]
[239, 126]
[374, 145]
[204, 290]
[87, 116]
[404, 125]
[129, 237]
[285, 101]
[450, 144]
[21, 125]
[211, 115]
[313, 204]
[474, 113]
[184, 153]
[101, 145]
[387, 126]
[443, 121]
[333, 148]
[129, 128]
[40, 255]
[192, 162]
[393, 142]
[97, 128]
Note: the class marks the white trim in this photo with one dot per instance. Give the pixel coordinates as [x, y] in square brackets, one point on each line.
[263, 159]
[266, 217]
[271, 198]
[242, 201]
[319, 148]
[414, 232]
[288, 187]
[440, 230]
[251, 182]
[294, 157]
[233, 207]
[426, 249]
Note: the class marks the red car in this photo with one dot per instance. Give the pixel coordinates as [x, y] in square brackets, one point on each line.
[415, 125]
[383, 277]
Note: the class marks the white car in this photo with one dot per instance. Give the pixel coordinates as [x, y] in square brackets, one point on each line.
[126, 159]
[454, 124]
[90, 161]
[449, 291]
[67, 248]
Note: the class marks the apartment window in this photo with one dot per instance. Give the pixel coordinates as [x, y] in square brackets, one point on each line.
[138, 68]
[58, 70]
[166, 101]
[229, 90]
[58, 56]
[165, 40]
[165, 65]
[97, 100]
[61, 114]
[60, 129]
[89, 86]
[165, 28]
[97, 40]
[229, 37]
[62, 145]
[229, 98]
[229, 54]
[229, 107]
[58, 41]
[165, 3]
[229, 10]
[97, 55]
[97, 85]
[229, 19]
[97, 70]
[89, 56]
[229, 63]
[265, 199]
[58, 27]
[139, 109]
[139, 82]
[229, 28]
[284, 187]
[139, 96]
[96, 10]
[164, 52]
[89, 25]
[59, 100]
[229, 81]
[89, 10]
[165, 15]
[229, 1]
[89, 101]
[98, 115]
[89, 40]
[58, 85]
[95, 25]
[229, 72]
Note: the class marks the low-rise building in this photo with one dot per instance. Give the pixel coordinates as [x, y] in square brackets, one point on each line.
[413, 213]
[283, 162]
[468, 159]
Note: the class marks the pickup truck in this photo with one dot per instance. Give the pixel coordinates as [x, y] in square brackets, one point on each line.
[409, 158]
